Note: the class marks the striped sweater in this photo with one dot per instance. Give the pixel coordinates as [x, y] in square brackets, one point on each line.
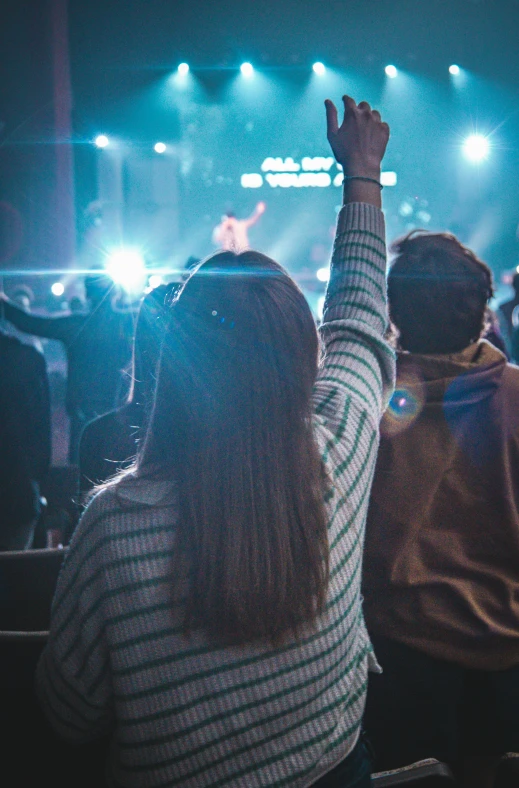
[184, 712]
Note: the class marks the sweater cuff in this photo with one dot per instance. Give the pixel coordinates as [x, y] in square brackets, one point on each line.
[361, 216]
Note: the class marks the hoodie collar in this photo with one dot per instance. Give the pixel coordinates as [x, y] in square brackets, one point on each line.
[466, 377]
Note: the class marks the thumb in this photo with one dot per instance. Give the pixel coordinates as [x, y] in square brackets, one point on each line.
[332, 124]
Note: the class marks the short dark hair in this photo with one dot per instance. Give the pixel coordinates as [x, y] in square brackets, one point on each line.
[438, 292]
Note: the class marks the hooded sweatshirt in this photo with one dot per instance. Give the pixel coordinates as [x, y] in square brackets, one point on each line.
[441, 560]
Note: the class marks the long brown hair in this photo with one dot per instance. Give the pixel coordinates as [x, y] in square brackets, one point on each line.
[232, 425]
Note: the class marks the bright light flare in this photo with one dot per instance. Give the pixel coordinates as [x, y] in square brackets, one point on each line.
[155, 280]
[454, 70]
[159, 147]
[57, 289]
[323, 274]
[127, 268]
[183, 69]
[391, 71]
[247, 69]
[476, 147]
[102, 141]
[319, 68]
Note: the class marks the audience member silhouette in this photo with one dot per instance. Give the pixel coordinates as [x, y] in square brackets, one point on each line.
[25, 440]
[508, 312]
[441, 581]
[208, 614]
[98, 347]
[109, 443]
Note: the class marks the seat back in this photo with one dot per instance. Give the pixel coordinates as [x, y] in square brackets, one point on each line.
[27, 583]
[428, 773]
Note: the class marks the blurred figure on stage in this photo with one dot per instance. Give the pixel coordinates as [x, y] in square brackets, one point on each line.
[231, 234]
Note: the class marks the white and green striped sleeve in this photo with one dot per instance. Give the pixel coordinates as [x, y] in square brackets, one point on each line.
[359, 365]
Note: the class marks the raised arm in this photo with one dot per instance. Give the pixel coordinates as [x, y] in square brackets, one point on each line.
[359, 364]
[62, 328]
[258, 211]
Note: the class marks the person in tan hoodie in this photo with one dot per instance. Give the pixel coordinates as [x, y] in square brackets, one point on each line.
[441, 561]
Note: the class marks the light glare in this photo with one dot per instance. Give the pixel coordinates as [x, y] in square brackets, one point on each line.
[391, 71]
[57, 289]
[319, 68]
[476, 147]
[155, 280]
[454, 70]
[126, 267]
[247, 69]
[159, 147]
[183, 69]
[102, 141]
[323, 274]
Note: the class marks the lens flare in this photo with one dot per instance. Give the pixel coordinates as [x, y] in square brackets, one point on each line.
[247, 69]
[127, 268]
[102, 141]
[476, 147]
[57, 289]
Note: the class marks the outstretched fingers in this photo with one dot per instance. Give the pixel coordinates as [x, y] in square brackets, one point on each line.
[332, 122]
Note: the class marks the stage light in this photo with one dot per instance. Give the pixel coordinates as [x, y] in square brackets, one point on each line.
[57, 289]
[391, 71]
[476, 147]
[159, 147]
[155, 280]
[246, 69]
[183, 69]
[102, 141]
[323, 274]
[319, 68]
[454, 70]
[127, 268]
[388, 178]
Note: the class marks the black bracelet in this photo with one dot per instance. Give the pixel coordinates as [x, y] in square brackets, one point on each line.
[362, 178]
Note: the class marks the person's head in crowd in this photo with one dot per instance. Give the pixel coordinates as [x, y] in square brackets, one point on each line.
[98, 287]
[23, 296]
[231, 423]
[76, 304]
[515, 284]
[438, 292]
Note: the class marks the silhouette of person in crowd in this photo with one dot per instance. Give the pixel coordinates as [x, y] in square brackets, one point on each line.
[109, 442]
[25, 440]
[508, 314]
[98, 347]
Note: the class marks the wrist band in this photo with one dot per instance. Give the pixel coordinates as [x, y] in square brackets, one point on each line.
[363, 178]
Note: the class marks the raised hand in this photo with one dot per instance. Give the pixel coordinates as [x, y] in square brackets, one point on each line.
[359, 143]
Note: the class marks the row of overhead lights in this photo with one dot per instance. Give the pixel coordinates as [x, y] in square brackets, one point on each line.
[476, 147]
[102, 141]
[247, 69]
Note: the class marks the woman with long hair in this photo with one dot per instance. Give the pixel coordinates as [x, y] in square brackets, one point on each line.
[208, 615]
